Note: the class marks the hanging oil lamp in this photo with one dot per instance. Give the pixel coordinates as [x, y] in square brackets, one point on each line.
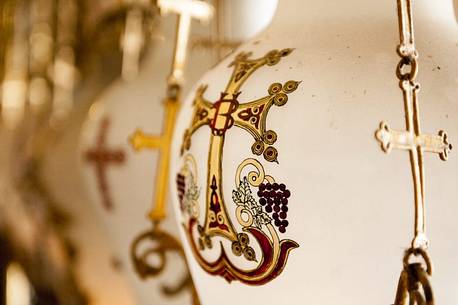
[123, 154]
[165, 242]
[279, 182]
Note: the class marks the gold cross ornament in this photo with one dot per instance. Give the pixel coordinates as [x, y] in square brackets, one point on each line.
[186, 10]
[412, 140]
[416, 143]
[161, 143]
[221, 117]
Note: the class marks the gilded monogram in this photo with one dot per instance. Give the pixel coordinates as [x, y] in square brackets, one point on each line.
[260, 204]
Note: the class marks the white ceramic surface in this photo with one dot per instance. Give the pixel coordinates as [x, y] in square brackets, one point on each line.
[351, 205]
[98, 272]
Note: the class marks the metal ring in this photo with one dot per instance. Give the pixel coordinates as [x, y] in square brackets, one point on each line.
[412, 74]
[423, 254]
[426, 285]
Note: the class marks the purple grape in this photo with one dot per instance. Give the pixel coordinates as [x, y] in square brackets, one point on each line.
[274, 198]
[287, 193]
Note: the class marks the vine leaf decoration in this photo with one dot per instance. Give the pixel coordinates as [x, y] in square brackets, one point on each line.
[271, 253]
[188, 194]
[244, 199]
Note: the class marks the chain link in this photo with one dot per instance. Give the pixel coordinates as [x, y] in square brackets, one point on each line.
[407, 68]
[414, 286]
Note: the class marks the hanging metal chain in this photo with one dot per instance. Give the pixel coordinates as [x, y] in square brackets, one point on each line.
[407, 71]
[414, 285]
[412, 139]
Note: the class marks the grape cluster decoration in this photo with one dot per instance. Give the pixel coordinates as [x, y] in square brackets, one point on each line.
[274, 198]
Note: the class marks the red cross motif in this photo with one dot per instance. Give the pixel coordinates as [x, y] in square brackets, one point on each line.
[101, 156]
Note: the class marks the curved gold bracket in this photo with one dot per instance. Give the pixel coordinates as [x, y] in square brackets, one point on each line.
[161, 244]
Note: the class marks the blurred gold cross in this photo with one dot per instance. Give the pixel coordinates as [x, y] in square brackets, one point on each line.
[186, 10]
[140, 141]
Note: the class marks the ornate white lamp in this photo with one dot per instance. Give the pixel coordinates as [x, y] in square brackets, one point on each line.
[154, 253]
[124, 161]
[283, 192]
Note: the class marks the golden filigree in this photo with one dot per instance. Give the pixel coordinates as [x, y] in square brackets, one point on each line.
[225, 113]
[161, 243]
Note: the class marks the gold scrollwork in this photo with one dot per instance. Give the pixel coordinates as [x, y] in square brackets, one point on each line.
[160, 243]
[226, 113]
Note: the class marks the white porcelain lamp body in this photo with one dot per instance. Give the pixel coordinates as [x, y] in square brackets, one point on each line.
[344, 208]
[121, 181]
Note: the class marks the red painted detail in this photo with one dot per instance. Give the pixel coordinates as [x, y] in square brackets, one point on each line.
[225, 268]
[224, 114]
[101, 156]
[252, 115]
[181, 188]
[215, 207]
